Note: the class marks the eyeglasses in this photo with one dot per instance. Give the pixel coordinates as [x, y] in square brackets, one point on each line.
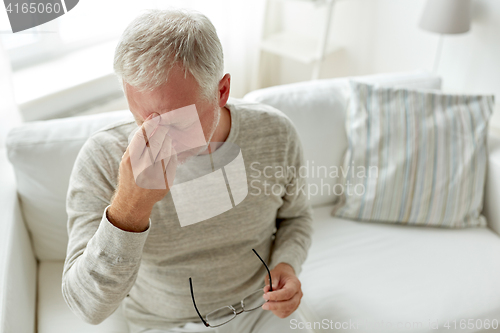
[225, 314]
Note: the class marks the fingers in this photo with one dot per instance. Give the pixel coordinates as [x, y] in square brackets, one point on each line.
[140, 154]
[165, 152]
[268, 288]
[144, 149]
[151, 116]
[153, 163]
[276, 278]
[125, 152]
[282, 302]
[152, 123]
[284, 294]
[284, 308]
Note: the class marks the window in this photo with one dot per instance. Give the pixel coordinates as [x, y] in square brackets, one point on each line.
[90, 22]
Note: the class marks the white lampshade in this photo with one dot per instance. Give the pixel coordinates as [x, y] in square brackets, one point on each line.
[446, 16]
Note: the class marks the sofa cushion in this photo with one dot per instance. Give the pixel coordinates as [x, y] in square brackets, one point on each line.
[317, 108]
[420, 156]
[55, 316]
[33, 149]
[373, 272]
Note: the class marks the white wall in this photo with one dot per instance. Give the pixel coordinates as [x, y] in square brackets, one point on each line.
[383, 36]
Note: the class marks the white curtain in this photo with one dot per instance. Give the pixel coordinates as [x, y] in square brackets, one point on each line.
[238, 23]
[240, 29]
[9, 113]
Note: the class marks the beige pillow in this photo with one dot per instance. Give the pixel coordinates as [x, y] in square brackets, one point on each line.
[415, 156]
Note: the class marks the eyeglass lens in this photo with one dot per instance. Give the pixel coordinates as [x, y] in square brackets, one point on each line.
[220, 316]
[253, 301]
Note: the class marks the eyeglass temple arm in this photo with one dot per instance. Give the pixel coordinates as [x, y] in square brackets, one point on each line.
[194, 303]
[267, 268]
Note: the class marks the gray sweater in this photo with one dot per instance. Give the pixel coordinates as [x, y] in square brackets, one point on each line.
[149, 271]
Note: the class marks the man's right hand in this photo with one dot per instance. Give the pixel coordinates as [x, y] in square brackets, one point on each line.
[131, 205]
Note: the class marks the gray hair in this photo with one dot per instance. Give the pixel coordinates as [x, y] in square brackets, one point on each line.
[157, 39]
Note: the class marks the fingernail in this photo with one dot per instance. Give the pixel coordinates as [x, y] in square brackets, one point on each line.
[266, 297]
[265, 306]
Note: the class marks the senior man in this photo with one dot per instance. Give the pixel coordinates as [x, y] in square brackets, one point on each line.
[126, 247]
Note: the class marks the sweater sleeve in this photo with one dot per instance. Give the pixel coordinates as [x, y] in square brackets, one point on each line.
[102, 261]
[294, 217]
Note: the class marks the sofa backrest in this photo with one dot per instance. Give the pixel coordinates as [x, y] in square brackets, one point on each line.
[318, 108]
[43, 154]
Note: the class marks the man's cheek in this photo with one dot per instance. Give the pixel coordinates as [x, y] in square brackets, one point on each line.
[139, 117]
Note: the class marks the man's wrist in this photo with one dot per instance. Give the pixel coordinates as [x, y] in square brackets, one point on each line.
[127, 217]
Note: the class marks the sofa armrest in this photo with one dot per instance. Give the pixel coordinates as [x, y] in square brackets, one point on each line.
[491, 208]
[18, 265]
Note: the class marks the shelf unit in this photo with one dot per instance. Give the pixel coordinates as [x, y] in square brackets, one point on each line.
[305, 49]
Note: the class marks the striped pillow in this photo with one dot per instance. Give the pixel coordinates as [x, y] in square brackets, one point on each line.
[415, 157]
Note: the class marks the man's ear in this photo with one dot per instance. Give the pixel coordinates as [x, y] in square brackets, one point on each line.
[224, 87]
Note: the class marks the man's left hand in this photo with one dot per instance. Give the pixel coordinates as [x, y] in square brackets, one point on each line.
[286, 294]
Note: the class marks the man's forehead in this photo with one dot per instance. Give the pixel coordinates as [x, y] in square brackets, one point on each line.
[146, 103]
[159, 100]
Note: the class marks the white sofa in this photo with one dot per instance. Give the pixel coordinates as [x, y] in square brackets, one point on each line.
[356, 272]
